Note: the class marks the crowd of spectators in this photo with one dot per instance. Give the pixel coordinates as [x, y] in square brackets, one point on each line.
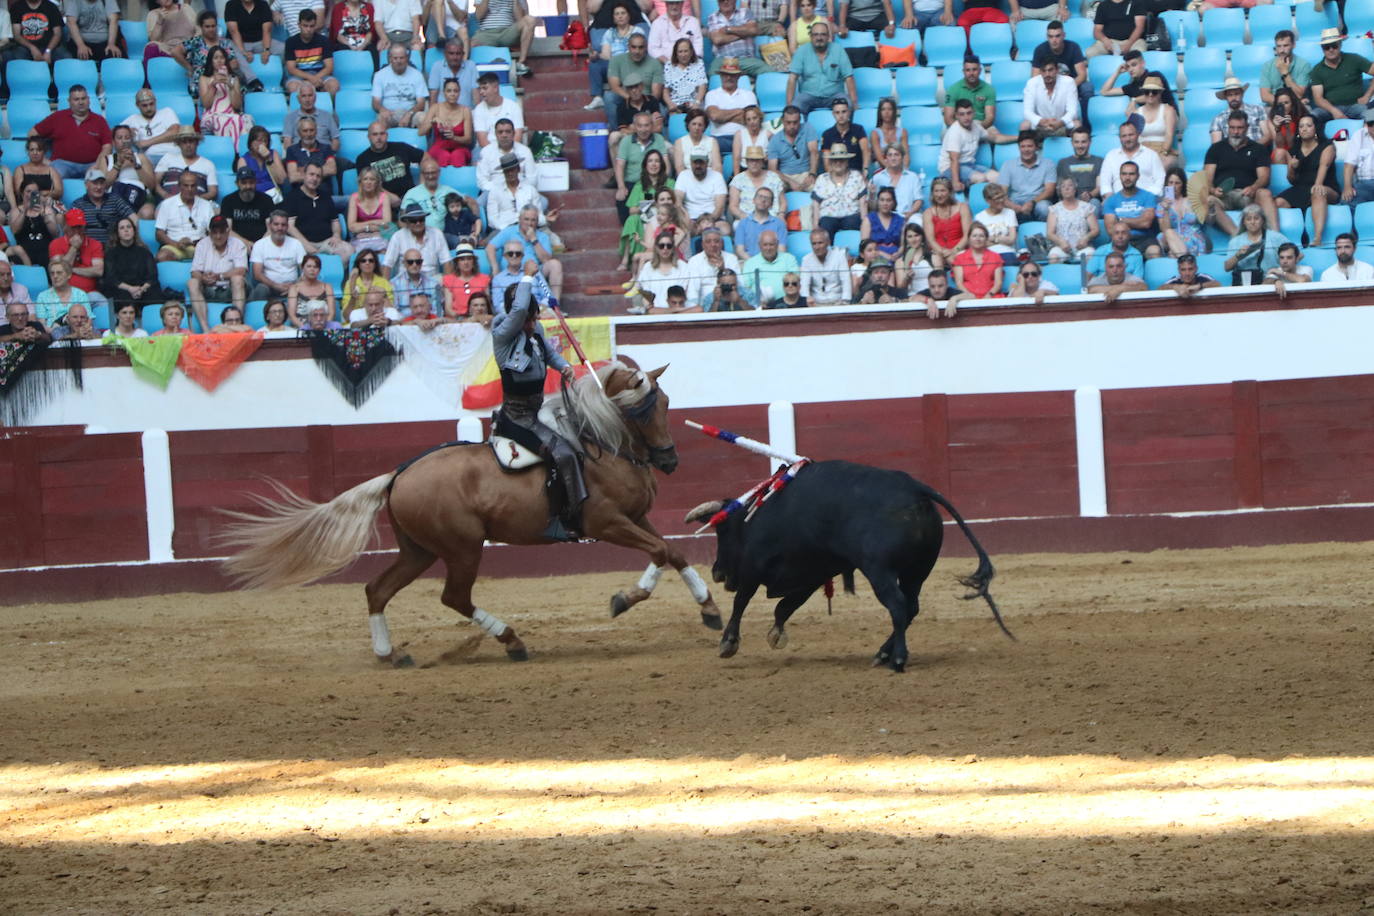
[730, 196]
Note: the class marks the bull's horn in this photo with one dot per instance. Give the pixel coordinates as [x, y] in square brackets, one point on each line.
[704, 511]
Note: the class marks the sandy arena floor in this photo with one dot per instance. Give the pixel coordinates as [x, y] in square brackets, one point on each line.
[1176, 732]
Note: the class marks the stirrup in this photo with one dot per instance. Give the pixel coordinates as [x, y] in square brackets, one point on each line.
[557, 531]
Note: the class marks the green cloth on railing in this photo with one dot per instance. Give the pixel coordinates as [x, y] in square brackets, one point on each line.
[154, 358]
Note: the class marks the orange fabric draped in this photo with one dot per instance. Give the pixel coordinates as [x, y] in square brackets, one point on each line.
[209, 359]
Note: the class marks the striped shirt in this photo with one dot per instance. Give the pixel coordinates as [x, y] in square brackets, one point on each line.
[500, 15]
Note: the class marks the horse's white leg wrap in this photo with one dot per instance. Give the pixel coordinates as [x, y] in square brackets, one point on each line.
[490, 625]
[381, 635]
[649, 580]
[695, 585]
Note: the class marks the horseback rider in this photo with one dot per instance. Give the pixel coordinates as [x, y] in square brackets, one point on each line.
[524, 356]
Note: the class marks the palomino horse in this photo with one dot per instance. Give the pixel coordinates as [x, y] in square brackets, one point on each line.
[446, 502]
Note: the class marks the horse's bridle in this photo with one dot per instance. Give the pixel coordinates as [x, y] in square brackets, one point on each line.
[639, 412]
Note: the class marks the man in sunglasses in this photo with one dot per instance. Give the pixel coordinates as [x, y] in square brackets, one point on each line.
[1030, 283]
[508, 270]
[416, 234]
[413, 280]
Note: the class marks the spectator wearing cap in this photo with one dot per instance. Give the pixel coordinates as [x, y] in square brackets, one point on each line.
[726, 104]
[703, 194]
[1118, 27]
[537, 247]
[671, 27]
[415, 234]
[820, 73]
[154, 128]
[102, 210]
[489, 158]
[1359, 164]
[794, 151]
[1050, 104]
[1029, 179]
[976, 90]
[760, 220]
[247, 208]
[491, 107]
[1150, 164]
[1232, 93]
[1285, 71]
[840, 194]
[83, 255]
[76, 133]
[624, 70]
[219, 270]
[1338, 84]
[399, 92]
[505, 201]
[182, 221]
[732, 29]
[848, 134]
[314, 220]
[635, 101]
[878, 286]
[276, 259]
[187, 158]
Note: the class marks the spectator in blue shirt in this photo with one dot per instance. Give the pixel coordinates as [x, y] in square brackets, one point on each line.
[748, 230]
[1134, 207]
[820, 73]
[1121, 245]
[1029, 180]
[794, 151]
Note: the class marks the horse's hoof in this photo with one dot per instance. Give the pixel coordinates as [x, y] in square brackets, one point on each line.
[777, 638]
[518, 655]
[712, 621]
[404, 661]
[619, 604]
[728, 647]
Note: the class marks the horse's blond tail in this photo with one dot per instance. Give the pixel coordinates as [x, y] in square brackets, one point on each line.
[297, 541]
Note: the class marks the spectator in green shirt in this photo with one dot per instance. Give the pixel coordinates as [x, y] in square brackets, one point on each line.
[1338, 89]
[1285, 71]
[973, 88]
[629, 157]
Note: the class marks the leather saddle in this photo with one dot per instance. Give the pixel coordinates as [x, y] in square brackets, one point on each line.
[515, 447]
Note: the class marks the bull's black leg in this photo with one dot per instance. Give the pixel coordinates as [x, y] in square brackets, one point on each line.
[893, 652]
[777, 637]
[729, 640]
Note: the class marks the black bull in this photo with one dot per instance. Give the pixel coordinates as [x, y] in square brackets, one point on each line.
[836, 517]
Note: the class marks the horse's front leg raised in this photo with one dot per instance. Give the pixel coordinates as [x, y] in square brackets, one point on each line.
[623, 601]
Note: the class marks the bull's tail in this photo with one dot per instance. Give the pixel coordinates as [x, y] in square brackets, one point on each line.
[297, 541]
[981, 576]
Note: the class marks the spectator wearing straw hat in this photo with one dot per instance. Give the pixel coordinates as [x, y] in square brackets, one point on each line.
[187, 158]
[1338, 85]
[840, 196]
[1232, 93]
[1359, 164]
[820, 73]
[726, 104]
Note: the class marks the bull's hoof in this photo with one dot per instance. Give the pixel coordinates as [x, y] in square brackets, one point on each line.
[898, 666]
[518, 655]
[712, 621]
[881, 658]
[619, 604]
[402, 661]
[728, 647]
[777, 638]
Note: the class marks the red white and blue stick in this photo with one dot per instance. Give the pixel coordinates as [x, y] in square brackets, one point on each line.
[744, 442]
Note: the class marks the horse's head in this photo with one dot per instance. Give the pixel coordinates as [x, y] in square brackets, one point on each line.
[644, 405]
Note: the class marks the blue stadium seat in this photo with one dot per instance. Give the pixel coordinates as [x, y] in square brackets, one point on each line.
[1026, 230]
[945, 46]
[1008, 121]
[406, 135]
[73, 72]
[1359, 18]
[100, 317]
[1265, 21]
[354, 109]
[1106, 110]
[798, 200]
[925, 158]
[13, 151]
[348, 182]
[147, 231]
[490, 55]
[252, 313]
[271, 74]
[872, 84]
[1319, 259]
[166, 78]
[34, 278]
[28, 79]
[72, 188]
[1180, 23]
[1205, 67]
[119, 107]
[849, 240]
[821, 120]
[332, 271]
[121, 77]
[915, 86]
[174, 274]
[904, 38]
[1350, 125]
[976, 202]
[135, 39]
[1309, 22]
[1291, 224]
[1338, 220]
[267, 108]
[1056, 148]
[1308, 50]
[181, 103]
[1364, 221]
[1249, 59]
[1220, 240]
[1364, 47]
[1166, 63]
[677, 127]
[1009, 80]
[1159, 271]
[1067, 278]
[432, 57]
[1101, 67]
[923, 125]
[25, 112]
[1223, 28]
[1009, 277]
[1104, 140]
[1214, 265]
[220, 151]
[991, 41]
[855, 39]
[772, 91]
[1080, 30]
[799, 244]
[867, 118]
[462, 179]
[352, 143]
[354, 70]
[1029, 35]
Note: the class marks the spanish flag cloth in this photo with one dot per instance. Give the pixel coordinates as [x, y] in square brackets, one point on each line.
[593, 333]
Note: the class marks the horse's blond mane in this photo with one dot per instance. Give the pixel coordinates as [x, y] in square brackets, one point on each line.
[592, 415]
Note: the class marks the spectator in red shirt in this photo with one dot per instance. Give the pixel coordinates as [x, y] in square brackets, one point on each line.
[77, 134]
[84, 255]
